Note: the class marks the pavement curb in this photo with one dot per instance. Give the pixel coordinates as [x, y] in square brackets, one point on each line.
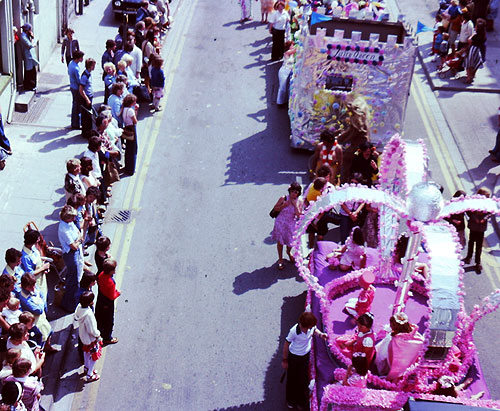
[450, 88]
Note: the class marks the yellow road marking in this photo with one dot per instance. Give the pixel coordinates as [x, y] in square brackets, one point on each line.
[123, 235]
[448, 169]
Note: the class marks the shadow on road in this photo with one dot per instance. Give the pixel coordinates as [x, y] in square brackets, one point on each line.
[263, 158]
[263, 278]
[274, 391]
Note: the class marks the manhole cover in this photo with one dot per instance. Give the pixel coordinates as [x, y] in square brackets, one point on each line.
[37, 108]
[118, 216]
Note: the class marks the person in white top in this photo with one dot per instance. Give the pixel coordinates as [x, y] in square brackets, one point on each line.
[129, 115]
[278, 20]
[88, 333]
[18, 335]
[466, 31]
[296, 359]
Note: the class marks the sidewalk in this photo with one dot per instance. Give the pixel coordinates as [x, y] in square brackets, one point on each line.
[31, 185]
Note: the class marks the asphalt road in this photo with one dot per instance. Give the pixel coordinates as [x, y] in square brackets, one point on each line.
[203, 308]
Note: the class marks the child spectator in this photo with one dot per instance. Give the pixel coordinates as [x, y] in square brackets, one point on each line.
[296, 359]
[103, 244]
[443, 50]
[157, 82]
[88, 334]
[10, 357]
[12, 312]
[478, 221]
[32, 387]
[18, 335]
[438, 38]
[105, 307]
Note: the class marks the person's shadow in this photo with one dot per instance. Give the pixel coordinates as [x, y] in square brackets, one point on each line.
[263, 278]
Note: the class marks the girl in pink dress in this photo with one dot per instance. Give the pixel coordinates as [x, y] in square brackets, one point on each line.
[289, 208]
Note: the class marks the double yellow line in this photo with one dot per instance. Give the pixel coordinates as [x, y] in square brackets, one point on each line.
[447, 166]
[122, 239]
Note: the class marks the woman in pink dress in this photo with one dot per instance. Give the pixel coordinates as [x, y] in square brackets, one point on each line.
[266, 7]
[289, 208]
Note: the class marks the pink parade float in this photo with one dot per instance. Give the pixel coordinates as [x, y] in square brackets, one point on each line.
[440, 346]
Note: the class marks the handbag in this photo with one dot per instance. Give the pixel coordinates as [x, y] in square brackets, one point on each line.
[274, 213]
[111, 174]
[128, 133]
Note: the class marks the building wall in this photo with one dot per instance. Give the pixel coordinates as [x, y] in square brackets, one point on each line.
[45, 25]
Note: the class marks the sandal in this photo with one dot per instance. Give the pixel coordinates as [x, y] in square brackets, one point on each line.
[93, 377]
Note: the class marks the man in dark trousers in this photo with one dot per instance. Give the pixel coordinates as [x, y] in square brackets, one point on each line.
[74, 86]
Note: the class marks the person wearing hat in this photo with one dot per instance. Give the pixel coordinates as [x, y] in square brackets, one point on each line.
[28, 44]
[362, 304]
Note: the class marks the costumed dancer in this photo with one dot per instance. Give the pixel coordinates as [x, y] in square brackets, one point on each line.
[328, 152]
[362, 304]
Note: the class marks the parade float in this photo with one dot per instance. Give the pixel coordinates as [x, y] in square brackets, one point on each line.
[349, 72]
[434, 302]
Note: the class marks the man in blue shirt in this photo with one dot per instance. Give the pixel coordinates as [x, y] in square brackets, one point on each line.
[87, 94]
[74, 85]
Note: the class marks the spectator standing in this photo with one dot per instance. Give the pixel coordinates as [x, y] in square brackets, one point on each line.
[115, 101]
[105, 307]
[74, 86]
[458, 221]
[478, 222]
[109, 55]
[466, 31]
[142, 12]
[129, 115]
[13, 266]
[157, 82]
[30, 62]
[87, 95]
[71, 240]
[32, 302]
[69, 46]
[89, 334]
[103, 244]
[31, 261]
[73, 183]
[18, 337]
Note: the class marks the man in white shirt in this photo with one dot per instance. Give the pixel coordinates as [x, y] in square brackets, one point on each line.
[466, 31]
